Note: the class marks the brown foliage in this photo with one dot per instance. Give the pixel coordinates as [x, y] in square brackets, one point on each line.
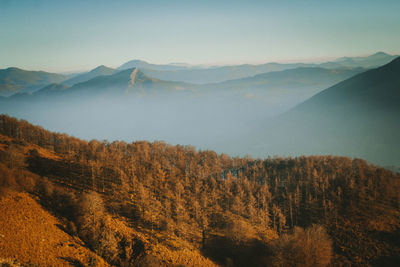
[177, 188]
[7, 179]
[239, 231]
[310, 247]
[90, 216]
[14, 157]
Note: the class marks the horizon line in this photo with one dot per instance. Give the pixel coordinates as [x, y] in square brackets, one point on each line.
[308, 60]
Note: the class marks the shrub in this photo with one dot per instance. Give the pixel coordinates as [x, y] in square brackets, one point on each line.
[14, 157]
[310, 247]
[7, 180]
[239, 231]
[148, 261]
[108, 244]
[65, 202]
[27, 182]
[90, 215]
[8, 263]
[45, 188]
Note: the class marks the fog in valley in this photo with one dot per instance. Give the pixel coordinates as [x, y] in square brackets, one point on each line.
[257, 115]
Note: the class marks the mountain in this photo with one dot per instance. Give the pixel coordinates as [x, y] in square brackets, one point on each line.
[99, 71]
[376, 89]
[203, 75]
[372, 61]
[144, 65]
[218, 74]
[357, 117]
[14, 80]
[313, 78]
[125, 82]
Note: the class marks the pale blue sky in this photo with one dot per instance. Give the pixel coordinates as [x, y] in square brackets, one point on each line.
[72, 35]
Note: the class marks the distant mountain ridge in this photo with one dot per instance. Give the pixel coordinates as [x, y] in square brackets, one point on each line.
[116, 84]
[224, 73]
[304, 76]
[299, 81]
[372, 61]
[15, 80]
[145, 65]
[98, 71]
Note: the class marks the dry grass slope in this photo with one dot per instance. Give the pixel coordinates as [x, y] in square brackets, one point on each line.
[30, 234]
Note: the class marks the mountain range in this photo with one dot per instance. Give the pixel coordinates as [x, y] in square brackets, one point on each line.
[145, 65]
[14, 80]
[372, 61]
[282, 112]
[223, 73]
[265, 94]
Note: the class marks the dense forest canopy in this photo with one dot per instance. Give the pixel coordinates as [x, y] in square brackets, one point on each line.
[235, 210]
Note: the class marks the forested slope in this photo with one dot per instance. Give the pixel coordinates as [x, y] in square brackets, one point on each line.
[153, 203]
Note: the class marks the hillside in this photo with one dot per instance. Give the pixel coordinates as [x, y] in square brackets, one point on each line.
[376, 89]
[14, 80]
[357, 117]
[98, 71]
[30, 234]
[53, 88]
[152, 203]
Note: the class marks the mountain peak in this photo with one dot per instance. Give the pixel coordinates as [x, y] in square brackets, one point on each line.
[380, 53]
[136, 63]
[102, 68]
[13, 68]
[98, 71]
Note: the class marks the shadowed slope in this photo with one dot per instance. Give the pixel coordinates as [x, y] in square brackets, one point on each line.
[99, 71]
[357, 117]
[14, 80]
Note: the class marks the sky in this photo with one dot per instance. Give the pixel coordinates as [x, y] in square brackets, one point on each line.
[67, 36]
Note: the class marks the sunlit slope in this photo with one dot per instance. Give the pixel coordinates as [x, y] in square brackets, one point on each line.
[32, 235]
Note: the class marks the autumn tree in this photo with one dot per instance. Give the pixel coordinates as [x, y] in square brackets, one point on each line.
[310, 247]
